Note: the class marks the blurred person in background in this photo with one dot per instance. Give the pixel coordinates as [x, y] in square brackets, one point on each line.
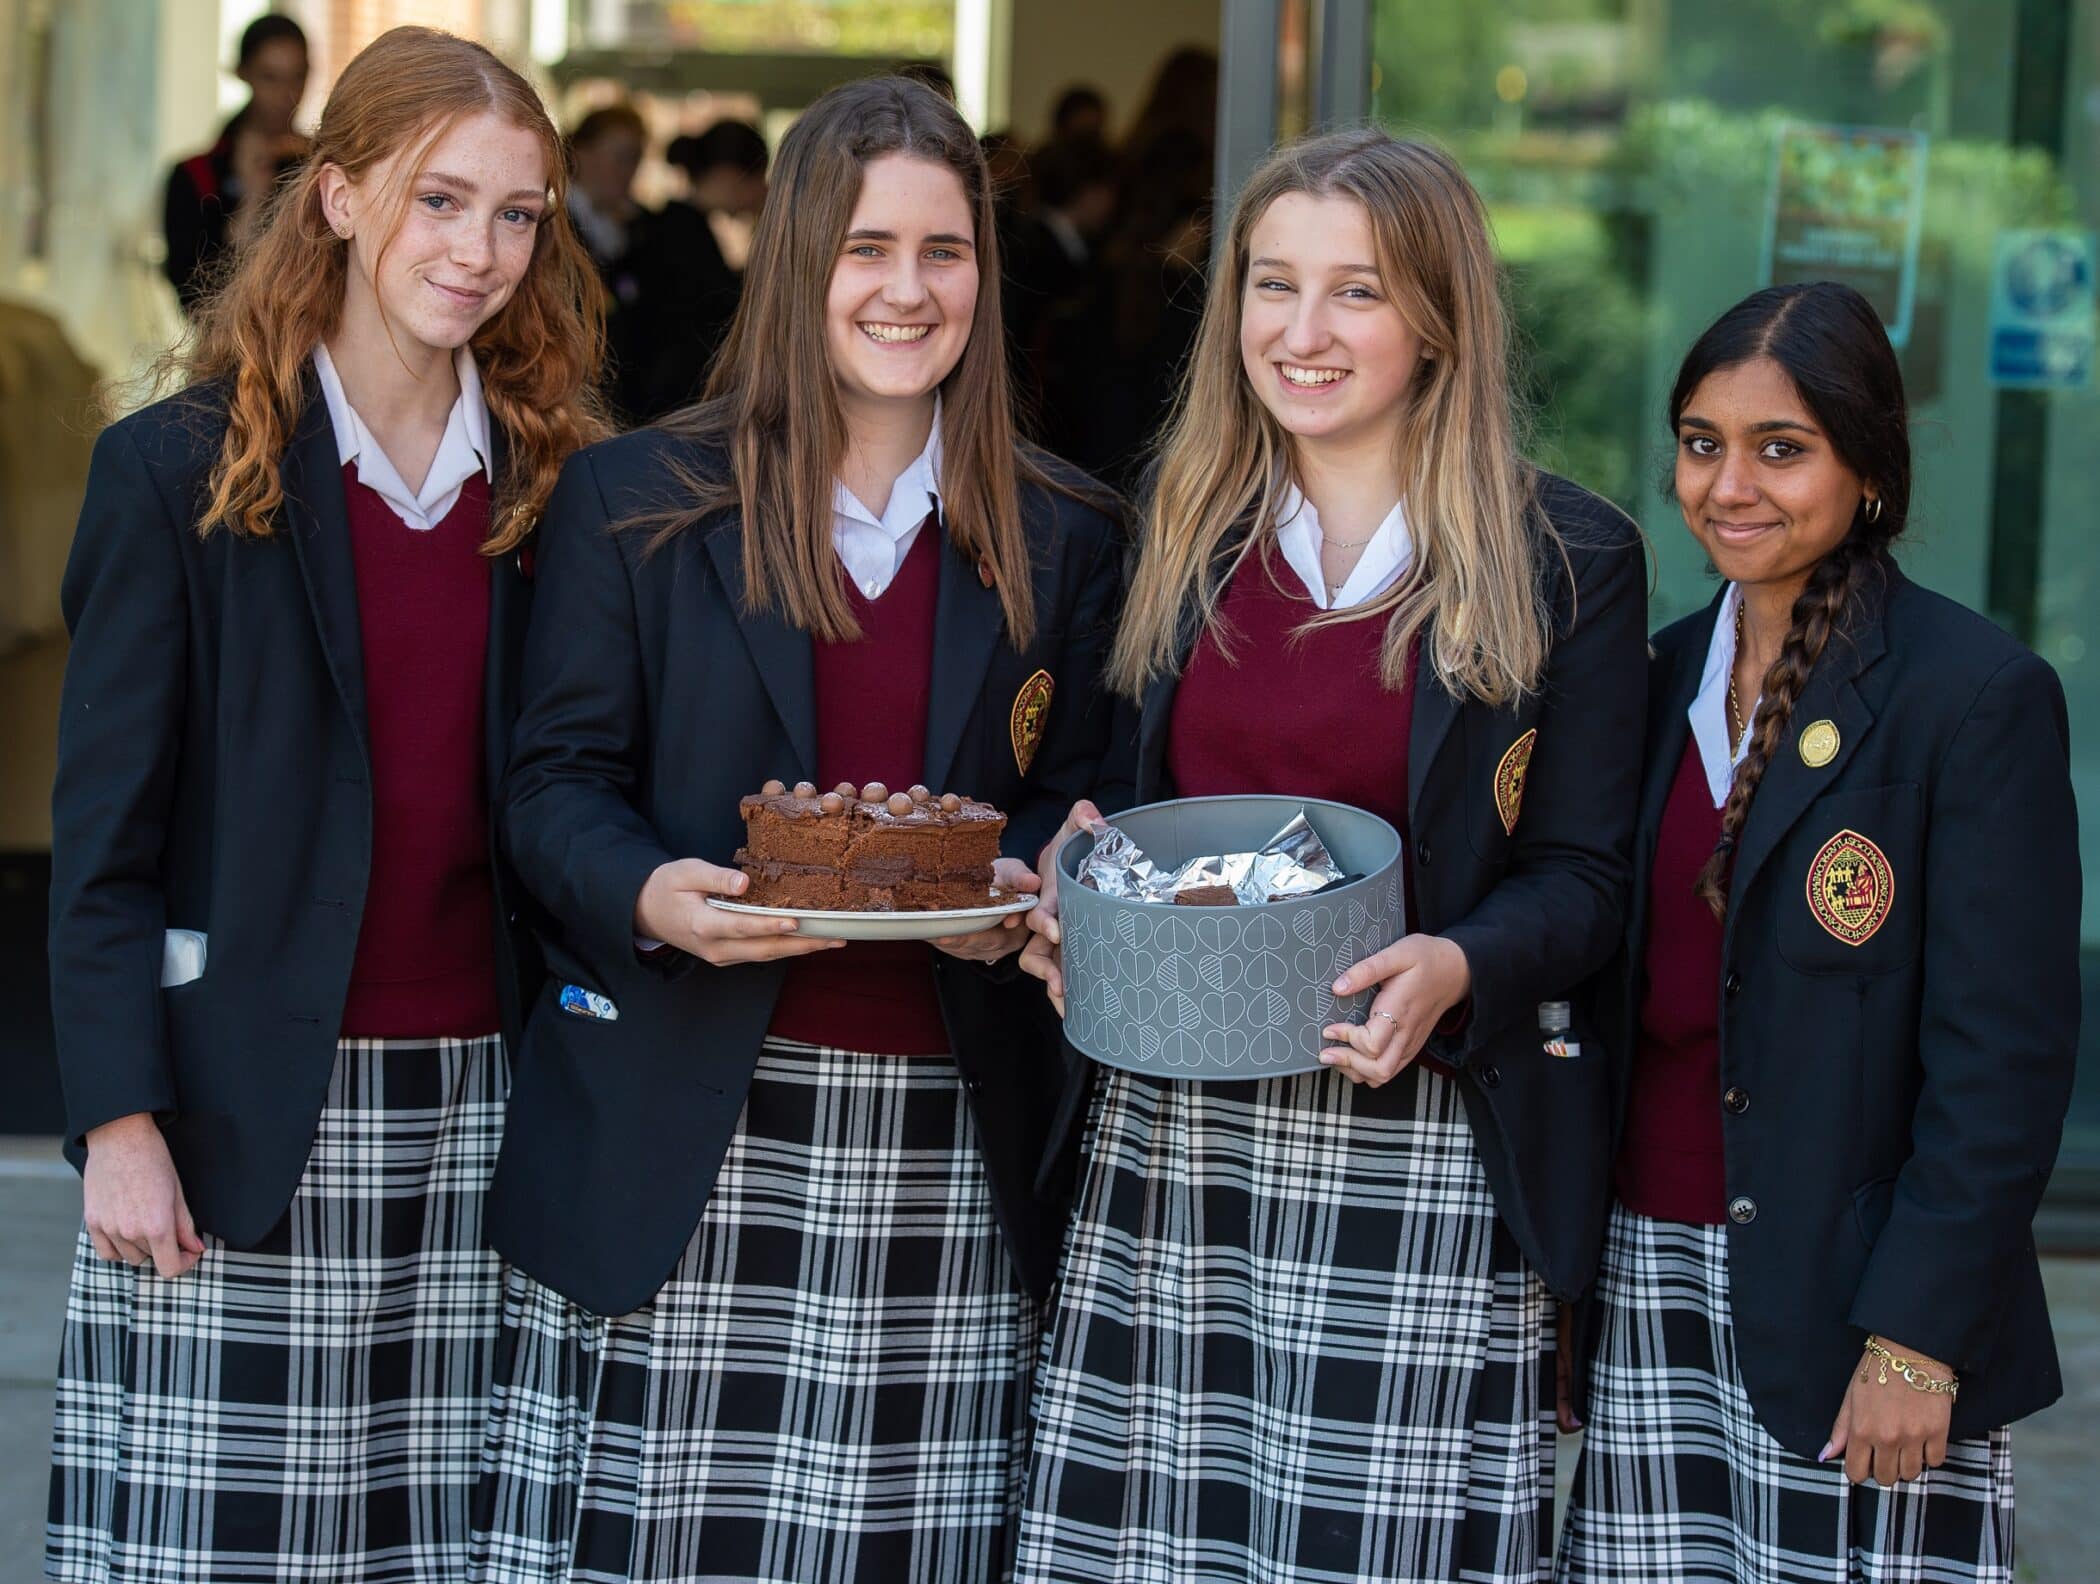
[1183, 103]
[1080, 112]
[1052, 275]
[284, 952]
[605, 152]
[1131, 337]
[213, 198]
[692, 287]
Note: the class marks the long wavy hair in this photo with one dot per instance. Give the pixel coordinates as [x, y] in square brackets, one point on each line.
[1830, 342]
[1475, 582]
[771, 405]
[538, 355]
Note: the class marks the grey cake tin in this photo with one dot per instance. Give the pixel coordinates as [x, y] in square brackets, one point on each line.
[1224, 992]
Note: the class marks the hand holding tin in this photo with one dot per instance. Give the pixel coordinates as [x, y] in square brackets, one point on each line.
[1420, 979]
[1043, 958]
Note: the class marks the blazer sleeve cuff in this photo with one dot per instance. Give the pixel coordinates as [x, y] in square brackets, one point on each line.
[608, 895]
[1482, 1014]
[89, 1106]
[1921, 1292]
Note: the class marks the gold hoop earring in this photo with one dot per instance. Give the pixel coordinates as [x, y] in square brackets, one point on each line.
[1872, 510]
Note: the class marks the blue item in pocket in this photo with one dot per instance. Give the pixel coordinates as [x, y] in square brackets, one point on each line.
[579, 1002]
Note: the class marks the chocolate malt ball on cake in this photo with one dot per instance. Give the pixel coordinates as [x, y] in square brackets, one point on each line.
[867, 849]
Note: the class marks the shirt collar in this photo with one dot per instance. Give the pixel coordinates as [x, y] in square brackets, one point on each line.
[1060, 226]
[1388, 555]
[1709, 709]
[465, 442]
[916, 492]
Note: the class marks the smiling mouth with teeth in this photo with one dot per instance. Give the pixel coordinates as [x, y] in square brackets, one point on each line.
[1310, 377]
[893, 335]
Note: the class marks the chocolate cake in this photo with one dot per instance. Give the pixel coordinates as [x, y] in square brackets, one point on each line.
[867, 849]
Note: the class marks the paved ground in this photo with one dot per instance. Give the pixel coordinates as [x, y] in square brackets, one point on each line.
[2058, 1451]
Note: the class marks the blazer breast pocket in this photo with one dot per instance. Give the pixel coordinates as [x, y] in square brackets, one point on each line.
[1850, 882]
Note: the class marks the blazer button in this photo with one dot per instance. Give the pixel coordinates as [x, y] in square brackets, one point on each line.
[1733, 983]
[1422, 854]
[1737, 1100]
[1490, 1076]
[1742, 1210]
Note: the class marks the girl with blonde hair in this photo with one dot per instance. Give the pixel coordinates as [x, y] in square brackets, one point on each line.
[1303, 1328]
[282, 962]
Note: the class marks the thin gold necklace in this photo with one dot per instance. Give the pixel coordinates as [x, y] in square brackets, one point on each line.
[1736, 722]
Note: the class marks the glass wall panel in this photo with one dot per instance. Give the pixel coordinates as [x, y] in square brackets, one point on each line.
[1649, 162]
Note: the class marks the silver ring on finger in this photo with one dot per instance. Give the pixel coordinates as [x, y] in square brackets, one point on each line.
[1388, 1017]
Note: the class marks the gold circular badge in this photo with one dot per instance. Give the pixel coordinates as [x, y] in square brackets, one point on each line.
[1819, 743]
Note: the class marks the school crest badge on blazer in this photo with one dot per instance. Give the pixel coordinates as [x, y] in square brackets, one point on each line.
[1031, 712]
[1851, 887]
[1509, 780]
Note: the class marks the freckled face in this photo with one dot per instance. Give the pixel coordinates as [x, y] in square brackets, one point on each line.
[904, 289]
[1760, 486]
[1322, 341]
[474, 207]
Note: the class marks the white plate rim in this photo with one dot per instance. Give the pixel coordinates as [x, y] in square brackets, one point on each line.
[1021, 903]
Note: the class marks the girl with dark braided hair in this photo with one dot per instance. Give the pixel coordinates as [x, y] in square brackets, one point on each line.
[1848, 1017]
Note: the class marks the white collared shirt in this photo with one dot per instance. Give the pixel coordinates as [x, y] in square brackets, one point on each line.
[463, 452]
[1066, 235]
[1390, 552]
[1709, 711]
[872, 548]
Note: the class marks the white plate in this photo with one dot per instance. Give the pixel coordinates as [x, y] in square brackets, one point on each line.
[821, 924]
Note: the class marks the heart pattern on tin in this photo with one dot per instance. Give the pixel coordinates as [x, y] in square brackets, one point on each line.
[1238, 992]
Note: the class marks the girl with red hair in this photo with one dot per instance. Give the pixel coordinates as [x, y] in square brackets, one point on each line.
[283, 961]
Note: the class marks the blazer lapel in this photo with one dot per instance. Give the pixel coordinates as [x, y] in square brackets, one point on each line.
[510, 606]
[1790, 784]
[968, 619]
[783, 654]
[318, 523]
[1156, 707]
[1669, 727]
[1155, 710]
[1670, 723]
[1436, 710]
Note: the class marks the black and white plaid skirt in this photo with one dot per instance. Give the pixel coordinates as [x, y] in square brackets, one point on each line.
[1292, 1343]
[310, 1409]
[1678, 1482]
[830, 1388]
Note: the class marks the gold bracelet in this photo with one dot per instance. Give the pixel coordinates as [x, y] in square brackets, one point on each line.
[1913, 1376]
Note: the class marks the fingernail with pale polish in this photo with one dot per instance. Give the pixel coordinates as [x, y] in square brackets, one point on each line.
[1828, 1448]
[1341, 985]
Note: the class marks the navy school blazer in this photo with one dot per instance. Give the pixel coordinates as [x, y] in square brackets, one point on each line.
[214, 774]
[1539, 906]
[652, 702]
[1899, 1051]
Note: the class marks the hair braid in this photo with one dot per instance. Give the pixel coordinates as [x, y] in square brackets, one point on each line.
[1819, 611]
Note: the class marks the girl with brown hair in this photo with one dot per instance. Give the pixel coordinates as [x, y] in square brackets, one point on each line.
[769, 1200]
[281, 966]
[1845, 1021]
[1303, 1329]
